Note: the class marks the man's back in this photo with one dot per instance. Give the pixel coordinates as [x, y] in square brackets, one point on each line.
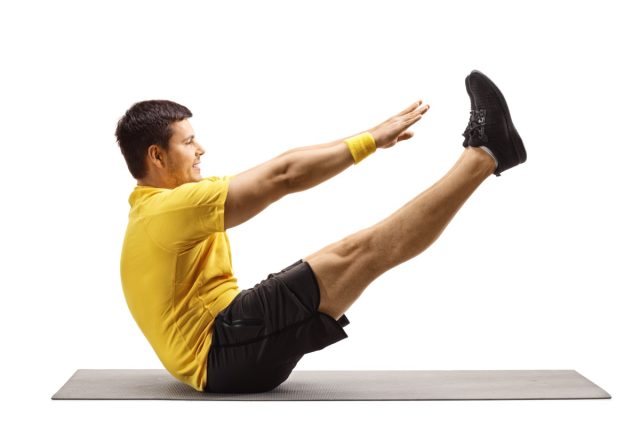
[176, 271]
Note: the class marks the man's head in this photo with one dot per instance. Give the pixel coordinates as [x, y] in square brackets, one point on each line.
[158, 144]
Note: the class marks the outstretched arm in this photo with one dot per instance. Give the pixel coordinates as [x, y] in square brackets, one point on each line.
[299, 169]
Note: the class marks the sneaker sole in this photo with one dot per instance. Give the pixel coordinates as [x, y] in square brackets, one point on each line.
[466, 84]
[516, 140]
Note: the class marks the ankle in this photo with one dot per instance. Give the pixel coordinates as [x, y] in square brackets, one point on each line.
[482, 160]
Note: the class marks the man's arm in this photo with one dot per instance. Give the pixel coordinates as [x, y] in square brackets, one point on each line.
[299, 169]
[254, 190]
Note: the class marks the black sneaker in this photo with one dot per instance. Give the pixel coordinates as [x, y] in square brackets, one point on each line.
[490, 123]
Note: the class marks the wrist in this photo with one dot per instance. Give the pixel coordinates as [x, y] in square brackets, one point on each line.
[361, 146]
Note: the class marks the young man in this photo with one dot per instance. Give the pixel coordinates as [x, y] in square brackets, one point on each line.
[176, 261]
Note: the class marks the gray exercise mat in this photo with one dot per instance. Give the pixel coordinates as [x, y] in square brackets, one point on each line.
[346, 386]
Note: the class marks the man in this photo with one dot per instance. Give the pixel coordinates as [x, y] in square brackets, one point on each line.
[176, 263]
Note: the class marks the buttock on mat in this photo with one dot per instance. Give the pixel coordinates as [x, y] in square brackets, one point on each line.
[260, 337]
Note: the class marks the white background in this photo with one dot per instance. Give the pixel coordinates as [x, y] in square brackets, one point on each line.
[537, 271]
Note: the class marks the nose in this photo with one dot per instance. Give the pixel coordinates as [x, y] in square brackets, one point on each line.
[201, 150]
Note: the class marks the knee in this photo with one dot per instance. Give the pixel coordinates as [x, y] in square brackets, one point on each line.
[355, 251]
[356, 246]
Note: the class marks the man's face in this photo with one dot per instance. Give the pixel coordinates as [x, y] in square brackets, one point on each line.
[183, 156]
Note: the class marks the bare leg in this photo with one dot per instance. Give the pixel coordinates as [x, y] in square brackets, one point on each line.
[345, 268]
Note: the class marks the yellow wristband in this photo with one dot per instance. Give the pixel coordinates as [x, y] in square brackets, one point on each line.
[361, 146]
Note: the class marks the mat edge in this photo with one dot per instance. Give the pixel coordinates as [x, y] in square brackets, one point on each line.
[606, 395]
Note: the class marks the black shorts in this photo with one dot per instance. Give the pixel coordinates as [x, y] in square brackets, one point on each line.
[260, 337]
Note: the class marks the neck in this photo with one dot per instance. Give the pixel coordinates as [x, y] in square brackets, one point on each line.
[152, 181]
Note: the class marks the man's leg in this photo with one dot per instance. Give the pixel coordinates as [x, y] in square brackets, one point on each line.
[344, 269]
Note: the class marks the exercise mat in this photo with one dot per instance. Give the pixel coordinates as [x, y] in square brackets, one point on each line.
[346, 385]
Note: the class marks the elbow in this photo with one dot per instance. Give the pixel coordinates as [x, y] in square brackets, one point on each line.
[295, 176]
[292, 173]
[286, 177]
[293, 181]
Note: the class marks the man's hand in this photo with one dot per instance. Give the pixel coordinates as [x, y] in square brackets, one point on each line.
[394, 130]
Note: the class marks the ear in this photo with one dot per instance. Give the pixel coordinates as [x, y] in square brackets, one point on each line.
[155, 155]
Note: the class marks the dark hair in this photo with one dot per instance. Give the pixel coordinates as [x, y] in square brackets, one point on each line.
[147, 123]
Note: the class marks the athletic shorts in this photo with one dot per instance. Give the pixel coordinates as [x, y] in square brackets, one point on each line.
[260, 337]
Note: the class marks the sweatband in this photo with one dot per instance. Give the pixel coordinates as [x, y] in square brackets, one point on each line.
[361, 146]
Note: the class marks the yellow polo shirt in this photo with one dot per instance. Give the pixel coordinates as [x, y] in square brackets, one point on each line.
[176, 271]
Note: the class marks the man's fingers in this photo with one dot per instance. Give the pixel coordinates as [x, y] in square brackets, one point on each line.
[399, 124]
[416, 119]
[416, 115]
[422, 110]
[411, 107]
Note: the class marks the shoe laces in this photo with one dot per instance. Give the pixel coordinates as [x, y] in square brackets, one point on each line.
[475, 128]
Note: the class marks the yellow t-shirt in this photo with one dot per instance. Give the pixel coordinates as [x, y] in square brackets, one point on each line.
[176, 271]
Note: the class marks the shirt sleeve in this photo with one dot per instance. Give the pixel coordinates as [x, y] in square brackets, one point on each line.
[188, 214]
